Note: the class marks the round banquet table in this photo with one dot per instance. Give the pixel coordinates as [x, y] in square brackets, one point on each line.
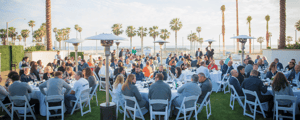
[215, 77]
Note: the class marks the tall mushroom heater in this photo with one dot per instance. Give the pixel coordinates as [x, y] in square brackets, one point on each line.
[243, 40]
[161, 43]
[107, 109]
[210, 41]
[75, 42]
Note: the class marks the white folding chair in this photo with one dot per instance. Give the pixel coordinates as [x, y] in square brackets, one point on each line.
[24, 108]
[183, 109]
[84, 97]
[250, 104]
[101, 83]
[234, 96]
[4, 107]
[119, 104]
[206, 103]
[93, 93]
[135, 108]
[291, 108]
[59, 98]
[225, 84]
[159, 113]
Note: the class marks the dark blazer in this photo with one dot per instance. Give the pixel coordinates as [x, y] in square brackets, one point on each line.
[205, 88]
[194, 63]
[163, 72]
[37, 75]
[159, 90]
[201, 54]
[45, 76]
[27, 78]
[253, 83]
[292, 75]
[120, 54]
[270, 75]
[113, 65]
[139, 76]
[288, 67]
[241, 78]
[224, 69]
[62, 69]
[81, 67]
[279, 65]
[132, 91]
[236, 84]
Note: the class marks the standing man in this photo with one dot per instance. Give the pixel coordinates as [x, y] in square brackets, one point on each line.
[58, 57]
[113, 56]
[181, 56]
[121, 53]
[199, 53]
[133, 51]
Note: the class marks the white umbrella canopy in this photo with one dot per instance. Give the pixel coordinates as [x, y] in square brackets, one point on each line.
[105, 36]
[160, 41]
[74, 40]
[210, 40]
[242, 37]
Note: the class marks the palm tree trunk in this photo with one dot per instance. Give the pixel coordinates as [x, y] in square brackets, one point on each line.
[59, 45]
[249, 39]
[282, 24]
[25, 42]
[237, 26]
[176, 42]
[48, 24]
[130, 43]
[267, 34]
[154, 46]
[142, 45]
[260, 47]
[32, 33]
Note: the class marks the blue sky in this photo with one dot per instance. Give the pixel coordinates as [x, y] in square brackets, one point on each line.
[99, 15]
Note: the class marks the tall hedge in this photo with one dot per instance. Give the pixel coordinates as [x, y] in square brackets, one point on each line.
[72, 54]
[13, 53]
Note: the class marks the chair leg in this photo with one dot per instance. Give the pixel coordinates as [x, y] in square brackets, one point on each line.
[96, 99]
[125, 112]
[184, 114]
[177, 117]
[254, 114]
[73, 107]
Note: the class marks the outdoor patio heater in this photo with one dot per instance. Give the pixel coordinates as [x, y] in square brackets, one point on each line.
[76, 43]
[243, 40]
[161, 43]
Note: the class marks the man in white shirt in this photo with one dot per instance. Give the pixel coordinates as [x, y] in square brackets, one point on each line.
[203, 69]
[80, 85]
[58, 57]
[102, 73]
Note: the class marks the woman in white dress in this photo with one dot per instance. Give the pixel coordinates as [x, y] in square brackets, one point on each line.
[117, 89]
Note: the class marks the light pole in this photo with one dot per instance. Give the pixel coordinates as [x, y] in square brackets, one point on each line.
[161, 43]
[7, 26]
[75, 42]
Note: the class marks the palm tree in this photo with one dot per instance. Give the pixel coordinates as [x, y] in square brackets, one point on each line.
[3, 36]
[25, 34]
[297, 25]
[142, 32]
[43, 29]
[116, 29]
[153, 33]
[267, 18]
[194, 39]
[282, 24]
[249, 18]
[189, 37]
[164, 34]
[175, 25]
[201, 41]
[12, 34]
[131, 32]
[198, 29]
[59, 37]
[223, 27]
[48, 24]
[237, 26]
[260, 40]
[31, 24]
[55, 30]
[19, 37]
[289, 39]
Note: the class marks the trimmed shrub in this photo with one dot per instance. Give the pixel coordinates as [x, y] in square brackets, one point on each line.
[293, 46]
[5, 57]
[14, 53]
[17, 53]
[72, 54]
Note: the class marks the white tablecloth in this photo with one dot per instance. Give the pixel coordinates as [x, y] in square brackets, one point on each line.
[144, 92]
[214, 77]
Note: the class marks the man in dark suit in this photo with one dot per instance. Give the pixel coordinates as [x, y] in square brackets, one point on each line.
[121, 53]
[279, 65]
[181, 56]
[295, 74]
[206, 86]
[224, 67]
[161, 70]
[114, 64]
[199, 53]
[235, 82]
[175, 56]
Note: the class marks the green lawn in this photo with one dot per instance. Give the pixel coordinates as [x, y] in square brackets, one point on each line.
[219, 104]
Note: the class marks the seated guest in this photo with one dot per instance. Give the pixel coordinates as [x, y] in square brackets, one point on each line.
[89, 75]
[117, 89]
[249, 67]
[155, 61]
[281, 86]
[168, 59]
[55, 87]
[34, 71]
[260, 64]
[206, 86]
[129, 89]
[139, 74]
[40, 66]
[18, 88]
[172, 62]
[121, 60]
[293, 60]
[47, 73]
[80, 85]
[22, 64]
[272, 71]
[212, 65]
[241, 74]
[147, 70]
[27, 77]
[295, 74]
[114, 64]
[186, 90]
[176, 59]
[255, 67]
[133, 68]
[257, 58]
[253, 83]
[159, 91]
[54, 64]
[161, 70]
[62, 68]
[139, 64]
[230, 67]
[69, 63]
[9, 77]
[224, 67]
[179, 76]
[173, 67]
[152, 65]
[82, 65]
[102, 73]
[4, 93]
[279, 65]
[245, 62]
[265, 61]
[235, 82]
[120, 64]
[68, 74]
[90, 63]
[97, 69]
[127, 64]
[121, 72]
[178, 64]
[290, 66]
[181, 56]
[203, 69]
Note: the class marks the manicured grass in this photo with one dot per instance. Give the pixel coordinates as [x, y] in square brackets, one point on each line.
[219, 104]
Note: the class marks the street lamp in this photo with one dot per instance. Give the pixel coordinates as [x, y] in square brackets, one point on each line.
[243, 40]
[7, 26]
[75, 42]
[106, 41]
[161, 43]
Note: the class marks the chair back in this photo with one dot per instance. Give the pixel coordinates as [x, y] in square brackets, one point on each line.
[285, 97]
[253, 93]
[54, 97]
[292, 108]
[187, 100]
[96, 76]
[155, 102]
[84, 95]
[18, 99]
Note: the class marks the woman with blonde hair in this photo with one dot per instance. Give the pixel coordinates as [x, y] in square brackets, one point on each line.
[129, 89]
[117, 89]
[47, 72]
[69, 73]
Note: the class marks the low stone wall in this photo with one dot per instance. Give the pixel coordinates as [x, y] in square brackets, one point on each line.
[284, 55]
[45, 56]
